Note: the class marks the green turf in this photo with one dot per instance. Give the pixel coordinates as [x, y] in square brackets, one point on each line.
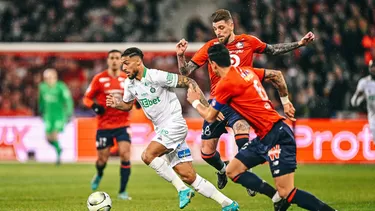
[47, 187]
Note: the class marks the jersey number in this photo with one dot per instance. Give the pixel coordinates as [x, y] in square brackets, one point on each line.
[235, 60]
[261, 92]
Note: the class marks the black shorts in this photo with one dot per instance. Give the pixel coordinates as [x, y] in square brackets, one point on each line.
[217, 128]
[278, 147]
[104, 138]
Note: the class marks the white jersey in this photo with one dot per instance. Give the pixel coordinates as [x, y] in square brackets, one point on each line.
[366, 86]
[154, 94]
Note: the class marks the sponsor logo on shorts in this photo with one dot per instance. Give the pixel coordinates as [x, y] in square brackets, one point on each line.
[274, 153]
[184, 153]
[148, 103]
[277, 171]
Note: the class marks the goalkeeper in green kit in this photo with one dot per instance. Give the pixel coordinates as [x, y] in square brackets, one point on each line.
[55, 106]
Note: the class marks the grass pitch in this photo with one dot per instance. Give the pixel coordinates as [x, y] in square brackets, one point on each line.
[45, 187]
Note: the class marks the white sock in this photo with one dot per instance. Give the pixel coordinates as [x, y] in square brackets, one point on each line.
[222, 171]
[208, 190]
[164, 170]
[276, 197]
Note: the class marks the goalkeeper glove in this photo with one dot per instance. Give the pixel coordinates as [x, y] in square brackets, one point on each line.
[98, 109]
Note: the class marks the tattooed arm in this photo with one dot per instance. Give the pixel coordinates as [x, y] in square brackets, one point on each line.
[184, 67]
[277, 79]
[185, 82]
[281, 48]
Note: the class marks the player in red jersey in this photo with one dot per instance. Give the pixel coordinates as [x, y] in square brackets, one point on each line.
[112, 123]
[241, 88]
[242, 48]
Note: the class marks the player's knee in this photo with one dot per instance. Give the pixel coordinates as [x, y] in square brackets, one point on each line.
[102, 160]
[147, 158]
[189, 177]
[284, 189]
[241, 127]
[125, 156]
[208, 147]
[232, 172]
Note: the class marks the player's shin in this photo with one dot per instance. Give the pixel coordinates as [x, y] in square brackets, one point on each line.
[208, 190]
[165, 171]
[124, 175]
[253, 182]
[55, 144]
[214, 160]
[307, 201]
[100, 168]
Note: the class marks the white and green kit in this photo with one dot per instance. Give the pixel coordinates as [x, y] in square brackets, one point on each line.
[366, 85]
[160, 104]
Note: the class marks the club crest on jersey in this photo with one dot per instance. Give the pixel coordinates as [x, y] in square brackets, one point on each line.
[152, 90]
[246, 75]
[239, 45]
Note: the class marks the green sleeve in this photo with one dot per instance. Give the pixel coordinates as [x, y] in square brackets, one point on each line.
[40, 99]
[67, 100]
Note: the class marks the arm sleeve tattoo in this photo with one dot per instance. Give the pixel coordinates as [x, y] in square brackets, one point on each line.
[277, 80]
[184, 67]
[277, 49]
[184, 82]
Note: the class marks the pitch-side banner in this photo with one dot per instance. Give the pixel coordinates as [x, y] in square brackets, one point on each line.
[318, 141]
[24, 139]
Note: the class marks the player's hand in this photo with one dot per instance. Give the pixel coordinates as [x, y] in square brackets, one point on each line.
[181, 47]
[111, 101]
[98, 109]
[220, 117]
[193, 94]
[308, 38]
[289, 111]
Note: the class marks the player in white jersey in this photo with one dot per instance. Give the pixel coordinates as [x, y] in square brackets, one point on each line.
[153, 90]
[366, 90]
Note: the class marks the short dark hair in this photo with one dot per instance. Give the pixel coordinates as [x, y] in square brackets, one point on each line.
[221, 14]
[219, 53]
[133, 51]
[113, 51]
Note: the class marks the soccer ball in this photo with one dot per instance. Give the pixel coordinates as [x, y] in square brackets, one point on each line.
[99, 201]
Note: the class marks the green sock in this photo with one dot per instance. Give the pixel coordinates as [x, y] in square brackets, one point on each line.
[56, 145]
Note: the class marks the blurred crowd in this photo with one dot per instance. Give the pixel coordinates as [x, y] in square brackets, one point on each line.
[79, 21]
[321, 77]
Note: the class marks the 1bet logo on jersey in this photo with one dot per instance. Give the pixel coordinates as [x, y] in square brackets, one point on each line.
[145, 103]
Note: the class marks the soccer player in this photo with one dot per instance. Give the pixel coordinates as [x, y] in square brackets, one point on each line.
[241, 48]
[55, 106]
[153, 90]
[366, 90]
[241, 88]
[111, 123]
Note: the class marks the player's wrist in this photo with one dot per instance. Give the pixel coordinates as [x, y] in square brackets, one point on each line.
[195, 103]
[285, 100]
[98, 108]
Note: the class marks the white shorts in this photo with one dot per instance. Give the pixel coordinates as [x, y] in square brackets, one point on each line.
[173, 138]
